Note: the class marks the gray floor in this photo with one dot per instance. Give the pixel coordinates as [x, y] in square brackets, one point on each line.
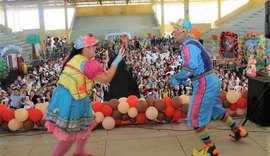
[173, 139]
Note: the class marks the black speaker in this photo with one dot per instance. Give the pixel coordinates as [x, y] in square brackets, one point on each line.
[258, 110]
[267, 19]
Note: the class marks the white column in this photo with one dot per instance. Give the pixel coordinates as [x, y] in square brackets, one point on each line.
[186, 8]
[162, 25]
[5, 15]
[66, 21]
[41, 19]
[219, 8]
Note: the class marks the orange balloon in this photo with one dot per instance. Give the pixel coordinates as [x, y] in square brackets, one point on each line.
[195, 33]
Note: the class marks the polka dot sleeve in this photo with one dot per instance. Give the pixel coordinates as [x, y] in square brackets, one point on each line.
[92, 68]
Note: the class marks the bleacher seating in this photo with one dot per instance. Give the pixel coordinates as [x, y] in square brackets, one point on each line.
[102, 25]
[6, 39]
[250, 21]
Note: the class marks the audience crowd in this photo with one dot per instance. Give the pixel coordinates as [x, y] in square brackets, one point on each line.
[151, 66]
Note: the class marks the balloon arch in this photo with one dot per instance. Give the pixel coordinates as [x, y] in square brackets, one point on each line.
[9, 49]
[123, 111]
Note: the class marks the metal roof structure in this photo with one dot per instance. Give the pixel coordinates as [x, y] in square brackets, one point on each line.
[55, 3]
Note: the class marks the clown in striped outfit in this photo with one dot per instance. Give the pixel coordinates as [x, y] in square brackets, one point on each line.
[204, 104]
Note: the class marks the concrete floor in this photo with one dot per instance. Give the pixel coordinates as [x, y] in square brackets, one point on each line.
[173, 139]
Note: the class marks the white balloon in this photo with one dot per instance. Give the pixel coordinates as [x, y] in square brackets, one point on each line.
[108, 123]
[132, 112]
[99, 117]
[123, 106]
[232, 96]
[21, 114]
[151, 113]
[14, 125]
[185, 99]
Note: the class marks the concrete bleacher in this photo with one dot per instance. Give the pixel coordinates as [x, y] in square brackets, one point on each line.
[250, 21]
[102, 25]
[7, 39]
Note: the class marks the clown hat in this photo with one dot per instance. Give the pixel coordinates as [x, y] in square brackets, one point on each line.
[181, 23]
[85, 41]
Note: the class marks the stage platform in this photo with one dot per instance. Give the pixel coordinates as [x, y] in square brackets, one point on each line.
[174, 139]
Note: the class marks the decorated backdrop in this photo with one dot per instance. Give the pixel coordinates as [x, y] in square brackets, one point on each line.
[228, 44]
[252, 45]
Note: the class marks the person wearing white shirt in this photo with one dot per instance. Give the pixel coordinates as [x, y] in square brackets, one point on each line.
[27, 103]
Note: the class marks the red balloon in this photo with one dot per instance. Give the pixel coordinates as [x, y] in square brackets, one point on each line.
[107, 110]
[177, 115]
[125, 122]
[2, 109]
[7, 115]
[168, 101]
[183, 115]
[97, 106]
[233, 107]
[242, 103]
[169, 111]
[35, 115]
[141, 118]
[132, 100]
[118, 122]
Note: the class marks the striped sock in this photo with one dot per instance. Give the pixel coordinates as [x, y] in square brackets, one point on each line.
[229, 121]
[202, 133]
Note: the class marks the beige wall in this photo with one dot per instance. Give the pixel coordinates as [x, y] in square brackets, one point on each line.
[86, 11]
[200, 27]
[256, 3]
[113, 10]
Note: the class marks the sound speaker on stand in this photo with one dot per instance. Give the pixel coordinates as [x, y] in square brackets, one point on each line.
[258, 110]
[267, 19]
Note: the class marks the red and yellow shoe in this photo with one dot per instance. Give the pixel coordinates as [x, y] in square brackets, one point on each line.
[206, 151]
[238, 134]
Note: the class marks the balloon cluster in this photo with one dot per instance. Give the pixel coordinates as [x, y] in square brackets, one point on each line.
[235, 102]
[22, 118]
[132, 110]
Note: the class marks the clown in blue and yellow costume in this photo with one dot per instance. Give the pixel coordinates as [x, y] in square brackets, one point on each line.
[69, 115]
[204, 104]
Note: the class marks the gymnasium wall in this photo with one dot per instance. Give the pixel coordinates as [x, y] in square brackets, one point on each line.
[113, 10]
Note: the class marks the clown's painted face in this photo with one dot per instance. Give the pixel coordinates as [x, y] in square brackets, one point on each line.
[180, 34]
